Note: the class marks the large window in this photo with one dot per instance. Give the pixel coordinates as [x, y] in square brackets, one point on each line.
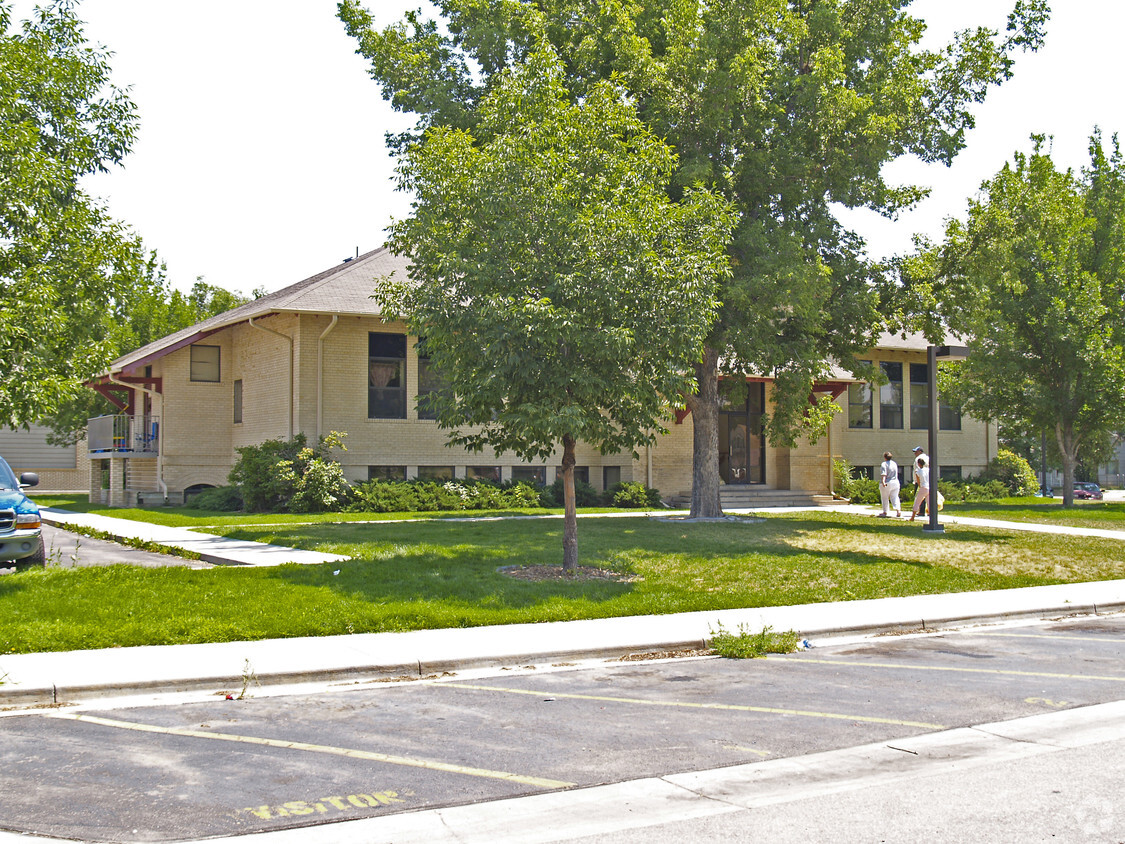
[204, 363]
[919, 396]
[859, 405]
[890, 396]
[483, 473]
[536, 475]
[435, 473]
[949, 416]
[430, 383]
[386, 376]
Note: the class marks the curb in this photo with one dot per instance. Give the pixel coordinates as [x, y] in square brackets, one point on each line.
[420, 659]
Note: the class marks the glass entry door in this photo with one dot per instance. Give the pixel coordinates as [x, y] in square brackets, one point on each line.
[742, 448]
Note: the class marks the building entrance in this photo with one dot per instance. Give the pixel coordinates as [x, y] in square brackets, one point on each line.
[742, 448]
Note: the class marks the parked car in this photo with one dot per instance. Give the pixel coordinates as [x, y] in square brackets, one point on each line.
[21, 531]
[1088, 491]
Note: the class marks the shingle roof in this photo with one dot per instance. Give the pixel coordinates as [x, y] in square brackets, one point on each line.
[343, 289]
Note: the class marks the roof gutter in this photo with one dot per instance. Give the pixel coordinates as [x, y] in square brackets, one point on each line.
[289, 340]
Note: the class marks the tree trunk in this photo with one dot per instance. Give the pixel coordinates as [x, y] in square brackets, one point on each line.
[1068, 449]
[570, 510]
[704, 405]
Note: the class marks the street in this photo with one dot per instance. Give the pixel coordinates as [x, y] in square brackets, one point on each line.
[256, 763]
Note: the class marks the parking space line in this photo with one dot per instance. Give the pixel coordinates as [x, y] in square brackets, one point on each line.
[906, 667]
[1067, 637]
[367, 755]
[729, 707]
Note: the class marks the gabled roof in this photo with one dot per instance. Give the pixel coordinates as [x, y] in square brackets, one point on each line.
[345, 289]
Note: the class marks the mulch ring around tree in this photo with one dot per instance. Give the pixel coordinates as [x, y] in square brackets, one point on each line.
[582, 573]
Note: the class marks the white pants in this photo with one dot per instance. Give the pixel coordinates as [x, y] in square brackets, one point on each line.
[889, 494]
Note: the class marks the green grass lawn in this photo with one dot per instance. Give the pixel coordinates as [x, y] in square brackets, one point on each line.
[437, 573]
[1107, 515]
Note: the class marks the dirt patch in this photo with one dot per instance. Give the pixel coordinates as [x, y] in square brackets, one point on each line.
[678, 654]
[582, 573]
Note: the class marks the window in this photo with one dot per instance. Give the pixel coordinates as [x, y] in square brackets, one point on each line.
[581, 473]
[386, 473]
[238, 401]
[869, 472]
[386, 376]
[483, 473]
[920, 396]
[890, 396]
[430, 383]
[530, 474]
[611, 475]
[949, 473]
[859, 406]
[204, 363]
[949, 417]
[435, 473]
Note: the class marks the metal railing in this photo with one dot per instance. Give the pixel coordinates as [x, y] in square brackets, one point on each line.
[123, 434]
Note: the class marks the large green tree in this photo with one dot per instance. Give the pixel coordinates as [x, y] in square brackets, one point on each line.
[787, 107]
[62, 257]
[561, 294]
[1034, 279]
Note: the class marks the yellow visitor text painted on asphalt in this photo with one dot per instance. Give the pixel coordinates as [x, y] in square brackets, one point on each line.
[325, 805]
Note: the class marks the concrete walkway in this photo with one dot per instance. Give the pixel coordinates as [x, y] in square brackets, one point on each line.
[48, 678]
[218, 550]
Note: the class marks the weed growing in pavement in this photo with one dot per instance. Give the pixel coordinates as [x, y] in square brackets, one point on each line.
[747, 645]
[249, 678]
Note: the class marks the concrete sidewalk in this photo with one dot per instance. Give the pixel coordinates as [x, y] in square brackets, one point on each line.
[218, 550]
[49, 678]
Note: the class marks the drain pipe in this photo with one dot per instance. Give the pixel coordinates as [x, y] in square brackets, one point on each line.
[320, 375]
[289, 340]
[160, 436]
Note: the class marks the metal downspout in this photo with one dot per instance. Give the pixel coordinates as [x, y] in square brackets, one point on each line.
[159, 440]
[320, 375]
[289, 340]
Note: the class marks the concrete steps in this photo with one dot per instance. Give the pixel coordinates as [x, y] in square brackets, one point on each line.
[740, 497]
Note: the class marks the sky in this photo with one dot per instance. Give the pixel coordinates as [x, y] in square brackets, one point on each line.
[260, 159]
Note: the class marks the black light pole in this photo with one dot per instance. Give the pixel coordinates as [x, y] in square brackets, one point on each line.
[933, 355]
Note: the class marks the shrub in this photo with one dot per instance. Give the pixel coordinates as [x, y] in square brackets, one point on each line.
[432, 496]
[855, 487]
[1013, 471]
[223, 499]
[747, 645]
[584, 494]
[632, 494]
[279, 475]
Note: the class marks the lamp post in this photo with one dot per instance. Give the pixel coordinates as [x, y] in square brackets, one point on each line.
[933, 355]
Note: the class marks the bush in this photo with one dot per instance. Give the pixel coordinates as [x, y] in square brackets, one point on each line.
[223, 499]
[584, 494]
[632, 494]
[855, 487]
[433, 496]
[280, 476]
[1013, 472]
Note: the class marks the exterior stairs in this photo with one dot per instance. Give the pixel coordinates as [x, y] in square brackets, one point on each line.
[748, 496]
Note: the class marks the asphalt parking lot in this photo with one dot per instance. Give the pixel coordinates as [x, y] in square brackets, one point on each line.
[255, 763]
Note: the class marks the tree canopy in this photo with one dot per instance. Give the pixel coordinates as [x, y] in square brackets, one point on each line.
[1034, 279]
[786, 107]
[62, 257]
[562, 295]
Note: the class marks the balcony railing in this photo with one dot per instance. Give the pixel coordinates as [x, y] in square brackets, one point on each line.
[123, 435]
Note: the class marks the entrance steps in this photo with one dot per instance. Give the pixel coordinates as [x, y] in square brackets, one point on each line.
[747, 496]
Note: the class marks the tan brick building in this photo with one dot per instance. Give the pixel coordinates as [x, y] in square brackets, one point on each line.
[317, 357]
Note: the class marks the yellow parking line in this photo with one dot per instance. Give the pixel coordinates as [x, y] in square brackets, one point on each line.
[904, 667]
[687, 705]
[319, 748]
